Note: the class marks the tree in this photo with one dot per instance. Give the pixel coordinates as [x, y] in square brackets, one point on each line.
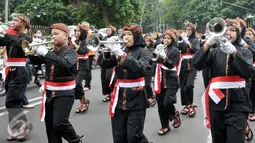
[202, 11]
[104, 12]
[46, 12]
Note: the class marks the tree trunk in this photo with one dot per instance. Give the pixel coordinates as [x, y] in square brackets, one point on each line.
[105, 15]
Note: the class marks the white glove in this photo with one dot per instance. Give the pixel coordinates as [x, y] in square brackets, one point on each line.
[242, 42]
[37, 40]
[41, 90]
[111, 39]
[211, 40]
[162, 54]
[228, 48]
[185, 38]
[116, 50]
[41, 50]
[2, 30]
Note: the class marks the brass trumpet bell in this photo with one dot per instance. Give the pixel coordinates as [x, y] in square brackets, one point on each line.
[28, 47]
[216, 27]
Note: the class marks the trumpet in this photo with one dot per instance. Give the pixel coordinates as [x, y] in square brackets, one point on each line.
[216, 27]
[155, 54]
[203, 38]
[93, 42]
[28, 47]
[179, 39]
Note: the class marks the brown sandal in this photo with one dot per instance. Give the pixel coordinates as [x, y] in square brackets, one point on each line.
[83, 108]
[192, 111]
[107, 98]
[185, 110]
[164, 131]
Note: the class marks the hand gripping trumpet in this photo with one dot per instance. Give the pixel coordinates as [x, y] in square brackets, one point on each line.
[217, 27]
[28, 47]
[159, 49]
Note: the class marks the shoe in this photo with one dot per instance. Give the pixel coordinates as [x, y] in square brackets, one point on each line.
[28, 106]
[24, 132]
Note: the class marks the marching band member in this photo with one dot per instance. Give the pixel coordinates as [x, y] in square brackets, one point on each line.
[246, 43]
[91, 55]
[167, 82]
[107, 73]
[59, 86]
[188, 73]
[81, 33]
[250, 35]
[128, 103]
[16, 77]
[226, 103]
[150, 46]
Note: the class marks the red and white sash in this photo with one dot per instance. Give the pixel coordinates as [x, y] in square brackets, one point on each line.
[112, 77]
[14, 62]
[158, 77]
[213, 90]
[183, 57]
[253, 64]
[54, 86]
[125, 83]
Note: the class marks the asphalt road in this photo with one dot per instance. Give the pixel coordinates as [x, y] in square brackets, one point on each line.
[95, 124]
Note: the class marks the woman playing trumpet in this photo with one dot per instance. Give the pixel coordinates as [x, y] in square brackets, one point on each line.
[167, 82]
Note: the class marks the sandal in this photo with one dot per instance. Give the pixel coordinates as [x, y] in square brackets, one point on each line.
[251, 117]
[107, 98]
[83, 108]
[248, 133]
[192, 111]
[177, 120]
[164, 131]
[185, 110]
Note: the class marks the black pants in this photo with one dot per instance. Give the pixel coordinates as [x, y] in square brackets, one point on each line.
[252, 95]
[127, 126]
[228, 127]
[79, 78]
[105, 80]
[57, 120]
[166, 109]
[15, 86]
[187, 79]
[148, 87]
[88, 78]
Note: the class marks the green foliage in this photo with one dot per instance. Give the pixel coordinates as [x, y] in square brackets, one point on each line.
[201, 11]
[101, 13]
[45, 12]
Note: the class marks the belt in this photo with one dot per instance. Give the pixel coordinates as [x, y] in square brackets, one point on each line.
[14, 62]
[158, 76]
[183, 57]
[125, 83]
[213, 91]
[54, 86]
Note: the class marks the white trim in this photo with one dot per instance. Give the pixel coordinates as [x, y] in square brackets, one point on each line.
[16, 64]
